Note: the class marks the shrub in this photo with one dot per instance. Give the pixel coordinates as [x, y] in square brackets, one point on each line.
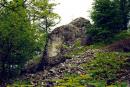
[122, 35]
[19, 39]
[106, 65]
[99, 34]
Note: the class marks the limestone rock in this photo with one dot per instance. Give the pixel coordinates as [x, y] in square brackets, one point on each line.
[80, 22]
[65, 35]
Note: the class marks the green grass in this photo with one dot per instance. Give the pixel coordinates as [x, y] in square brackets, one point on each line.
[106, 65]
[78, 49]
[75, 80]
[23, 83]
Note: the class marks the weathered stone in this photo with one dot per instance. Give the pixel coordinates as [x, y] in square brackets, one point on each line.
[64, 35]
[80, 22]
[87, 40]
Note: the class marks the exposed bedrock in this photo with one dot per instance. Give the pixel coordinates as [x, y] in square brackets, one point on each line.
[65, 35]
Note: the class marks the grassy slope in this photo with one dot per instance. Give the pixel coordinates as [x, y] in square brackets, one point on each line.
[80, 80]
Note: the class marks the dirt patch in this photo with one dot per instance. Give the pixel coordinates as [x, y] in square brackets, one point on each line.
[122, 45]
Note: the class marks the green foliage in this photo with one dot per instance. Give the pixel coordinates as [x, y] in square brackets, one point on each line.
[111, 14]
[41, 11]
[106, 15]
[24, 27]
[19, 39]
[120, 36]
[24, 83]
[97, 45]
[74, 80]
[106, 65]
[76, 49]
[110, 18]
[99, 34]
[103, 36]
[125, 10]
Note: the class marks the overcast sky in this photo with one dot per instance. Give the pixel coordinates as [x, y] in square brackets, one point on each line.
[71, 9]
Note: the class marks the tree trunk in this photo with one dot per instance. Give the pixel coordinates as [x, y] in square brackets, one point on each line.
[43, 63]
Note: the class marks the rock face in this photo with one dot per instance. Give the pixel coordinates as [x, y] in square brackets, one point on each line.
[65, 35]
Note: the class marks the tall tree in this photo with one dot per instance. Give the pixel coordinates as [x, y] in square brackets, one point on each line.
[19, 40]
[22, 27]
[41, 12]
[109, 17]
[106, 15]
[125, 11]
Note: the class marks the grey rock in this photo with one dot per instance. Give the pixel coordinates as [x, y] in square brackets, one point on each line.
[65, 35]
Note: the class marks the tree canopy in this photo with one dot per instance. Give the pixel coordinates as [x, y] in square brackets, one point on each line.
[109, 17]
[22, 32]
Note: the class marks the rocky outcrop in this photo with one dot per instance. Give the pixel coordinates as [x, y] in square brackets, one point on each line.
[71, 66]
[65, 35]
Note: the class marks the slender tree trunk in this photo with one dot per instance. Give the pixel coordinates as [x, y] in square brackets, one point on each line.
[44, 62]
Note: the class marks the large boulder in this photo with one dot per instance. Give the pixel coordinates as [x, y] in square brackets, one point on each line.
[64, 35]
[82, 24]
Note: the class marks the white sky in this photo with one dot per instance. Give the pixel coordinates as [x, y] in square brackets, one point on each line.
[71, 9]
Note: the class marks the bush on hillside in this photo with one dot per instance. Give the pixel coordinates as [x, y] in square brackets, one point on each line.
[106, 65]
[99, 34]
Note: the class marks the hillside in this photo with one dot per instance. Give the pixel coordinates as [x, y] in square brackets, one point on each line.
[80, 65]
[74, 73]
[82, 53]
